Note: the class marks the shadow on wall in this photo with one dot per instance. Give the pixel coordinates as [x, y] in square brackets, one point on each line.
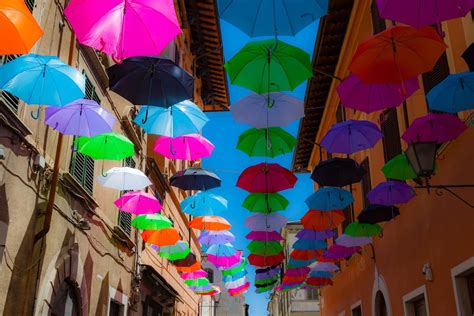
[4, 220]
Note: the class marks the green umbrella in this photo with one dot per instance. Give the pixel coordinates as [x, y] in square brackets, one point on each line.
[235, 269]
[197, 282]
[267, 280]
[265, 289]
[265, 248]
[263, 142]
[108, 146]
[357, 229]
[151, 222]
[262, 67]
[175, 252]
[265, 202]
[399, 168]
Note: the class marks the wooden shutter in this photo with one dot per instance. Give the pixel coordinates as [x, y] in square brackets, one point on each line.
[82, 169]
[366, 182]
[438, 74]
[124, 218]
[378, 24]
[391, 134]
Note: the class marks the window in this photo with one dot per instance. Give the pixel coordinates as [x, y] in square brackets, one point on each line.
[6, 98]
[463, 282]
[82, 169]
[472, 13]
[176, 55]
[415, 302]
[438, 74]
[348, 217]
[340, 115]
[391, 134]
[357, 311]
[30, 4]
[378, 24]
[125, 218]
[65, 301]
[116, 308]
[366, 182]
[210, 274]
[312, 295]
[152, 308]
[380, 305]
[90, 90]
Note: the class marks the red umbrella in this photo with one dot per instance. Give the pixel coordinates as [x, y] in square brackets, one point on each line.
[317, 282]
[266, 178]
[319, 220]
[266, 261]
[306, 254]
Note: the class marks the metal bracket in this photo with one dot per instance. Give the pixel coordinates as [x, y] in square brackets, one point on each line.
[439, 191]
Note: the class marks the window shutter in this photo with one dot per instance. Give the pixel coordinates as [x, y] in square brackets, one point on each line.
[391, 134]
[378, 24]
[438, 74]
[6, 98]
[30, 4]
[366, 182]
[339, 114]
[90, 90]
[124, 218]
[82, 169]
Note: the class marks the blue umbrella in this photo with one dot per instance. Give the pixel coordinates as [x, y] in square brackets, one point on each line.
[204, 203]
[303, 244]
[294, 263]
[178, 120]
[221, 250]
[329, 198]
[321, 274]
[235, 276]
[42, 80]
[454, 94]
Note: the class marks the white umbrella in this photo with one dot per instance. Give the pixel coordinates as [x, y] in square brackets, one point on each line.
[124, 178]
[324, 266]
[350, 241]
[236, 283]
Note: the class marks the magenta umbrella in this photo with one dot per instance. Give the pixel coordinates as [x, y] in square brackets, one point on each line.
[434, 127]
[297, 271]
[194, 275]
[340, 252]
[391, 193]
[225, 262]
[186, 147]
[264, 236]
[138, 203]
[266, 222]
[124, 28]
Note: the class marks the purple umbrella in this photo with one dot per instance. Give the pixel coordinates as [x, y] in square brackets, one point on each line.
[391, 193]
[371, 97]
[434, 127]
[297, 271]
[340, 252]
[80, 118]
[268, 274]
[351, 136]
[308, 234]
[266, 222]
[209, 238]
[264, 236]
[350, 241]
[324, 266]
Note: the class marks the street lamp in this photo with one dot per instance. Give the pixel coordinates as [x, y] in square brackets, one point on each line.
[422, 158]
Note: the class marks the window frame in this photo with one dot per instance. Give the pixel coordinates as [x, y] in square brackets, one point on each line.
[8, 99]
[124, 219]
[82, 181]
[366, 182]
[387, 130]
[356, 305]
[378, 23]
[458, 276]
[410, 298]
[113, 294]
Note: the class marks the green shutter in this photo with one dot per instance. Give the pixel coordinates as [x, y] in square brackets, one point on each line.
[82, 169]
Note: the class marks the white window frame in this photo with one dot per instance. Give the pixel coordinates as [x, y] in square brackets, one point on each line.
[124, 301]
[343, 313]
[409, 298]
[357, 304]
[456, 277]
[380, 285]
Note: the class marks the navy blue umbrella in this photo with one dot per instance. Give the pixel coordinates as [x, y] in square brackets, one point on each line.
[195, 179]
[376, 213]
[337, 172]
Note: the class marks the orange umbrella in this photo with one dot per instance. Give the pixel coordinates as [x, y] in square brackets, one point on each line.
[210, 223]
[319, 220]
[306, 254]
[397, 54]
[20, 31]
[161, 237]
[192, 268]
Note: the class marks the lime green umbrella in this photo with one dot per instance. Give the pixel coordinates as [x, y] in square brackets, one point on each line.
[151, 222]
[357, 229]
[265, 202]
[197, 282]
[108, 146]
[264, 66]
[266, 142]
[175, 252]
[399, 168]
[235, 269]
[265, 248]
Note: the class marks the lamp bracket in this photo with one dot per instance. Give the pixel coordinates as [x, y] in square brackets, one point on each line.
[439, 190]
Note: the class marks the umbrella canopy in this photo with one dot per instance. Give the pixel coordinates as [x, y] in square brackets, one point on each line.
[399, 168]
[124, 179]
[151, 222]
[295, 263]
[397, 54]
[268, 275]
[239, 290]
[324, 266]
[204, 203]
[174, 252]
[318, 282]
[209, 238]
[297, 271]
[108, 146]
[214, 223]
[372, 97]
[266, 222]
[329, 198]
[235, 284]
[151, 81]
[321, 274]
[304, 244]
[306, 254]
[197, 282]
[81, 117]
[357, 229]
[235, 276]
[194, 275]
[195, 179]
[224, 261]
[266, 142]
[322, 220]
[265, 202]
[262, 68]
[375, 213]
[267, 110]
[266, 178]
[235, 268]
[202, 289]
[351, 241]
[434, 127]
[264, 236]
[188, 264]
[337, 172]
[338, 252]
[390, 193]
[351, 136]
[221, 250]
[162, 237]
[138, 203]
[454, 94]
[265, 261]
[265, 248]
[43, 80]
[179, 119]
[187, 147]
[308, 234]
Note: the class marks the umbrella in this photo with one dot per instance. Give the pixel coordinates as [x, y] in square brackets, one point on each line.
[454, 94]
[305, 254]
[266, 222]
[195, 179]
[265, 261]
[318, 282]
[375, 213]
[194, 275]
[124, 179]
[268, 275]
[265, 248]
[324, 266]
[297, 271]
[357, 229]
[351, 241]
[180, 119]
[265, 283]
[399, 168]
[268, 66]
[187, 264]
[197, 282]
[161, 237]
[80, 118]
[151, 222]
[267, 110]
[174, 252]
[138, 203]
[372, 97]
[222, 250]
[321, 274]
[329, 198]
[295, 263]
[397, 54]
[151, 81]
[202, 289]
[337, 172]
[304, 244]
[108, 146]
[266, 142]
[235, 268]
[235, 276]
[204, 203]
[423, 13]
[308, 234]
[235, 284]
[351, 136]
[239, 290]
[20, 31]
[322, 220]
[187, 147]
[214, 223]
[275, 267]
[338, 252]
[209, 238]
[266, 178]
[265, 202]
[434, 127]
[264, 236]
[390, 193]
[224, 261]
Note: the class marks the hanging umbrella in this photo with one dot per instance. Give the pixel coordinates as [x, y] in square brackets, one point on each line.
[351, 136]
[297, 271]
[265, 248]
[434, 127]
[151, 222]
[265, 261]
[372, 97]
[268, 66]
[224, 261]
[268, 275]
[318, 282]
[268, 269]
[124, 179]
[195, 179]
[351, 241]
[306, 254]
[188, 264]
[151, 81]
[265, 283]
[180, 119]
[328, 199]
[357, 229]
[266, 142]
[391, 193]
[235, 276]
[197, 282]
[321, 274]
[266, 178]
[265, 202]
[295, 263]
[221, 250]
[213, 290]
[235, 284]
[138, 203]
[239, 290]
[374, 214]
[454, 94]
[266, 222]
[174, 252]
[337, 172]
[303, 244]
[202, 289]
[322, 220]
[209, 238]
[214, 223]
[204, 203]
[161, 237]
[339, 252]
[187, 147]
[267, 110]
[308, 234]
[108, 146]
[399, 168]
[397, 54]
[237, 267]
[324, 266]
[264, 236]
[194, 275]
[81, 117]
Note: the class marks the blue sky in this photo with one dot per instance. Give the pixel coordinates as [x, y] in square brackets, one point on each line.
[228, 162]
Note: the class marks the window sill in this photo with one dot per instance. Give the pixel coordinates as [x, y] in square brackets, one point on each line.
[122, 237]
[75, 188]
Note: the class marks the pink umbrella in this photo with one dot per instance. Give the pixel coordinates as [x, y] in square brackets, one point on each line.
[239, 290]
[224, 262]
[138, 203]
[124, 28]
[187, 147]
[194, 275]
[340, 252]
[433, 127]
[264, 236]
